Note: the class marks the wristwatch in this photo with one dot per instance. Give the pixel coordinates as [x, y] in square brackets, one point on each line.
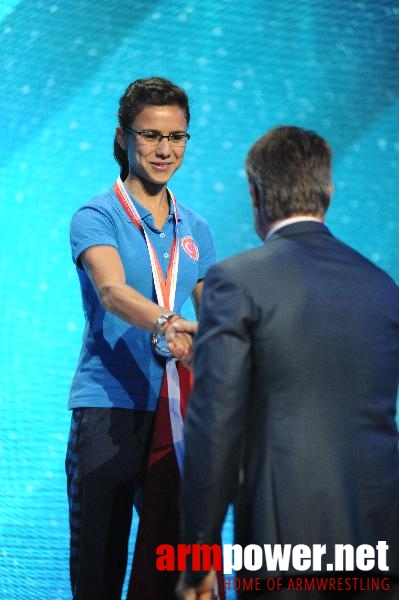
[158, 341]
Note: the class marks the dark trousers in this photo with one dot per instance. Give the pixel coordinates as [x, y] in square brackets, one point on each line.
[266, 592]
[105, 464]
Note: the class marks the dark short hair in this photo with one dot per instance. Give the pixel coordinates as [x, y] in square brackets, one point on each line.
[152, 91]
[291, 168]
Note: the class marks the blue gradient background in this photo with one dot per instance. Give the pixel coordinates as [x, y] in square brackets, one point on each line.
[331, 66]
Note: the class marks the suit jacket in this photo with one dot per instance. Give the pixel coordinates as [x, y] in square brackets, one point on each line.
[293, 410]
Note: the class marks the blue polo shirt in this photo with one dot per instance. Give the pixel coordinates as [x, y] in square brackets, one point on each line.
[116, 366]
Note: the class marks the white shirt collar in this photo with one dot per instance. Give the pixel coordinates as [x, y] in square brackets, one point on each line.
[289, 221]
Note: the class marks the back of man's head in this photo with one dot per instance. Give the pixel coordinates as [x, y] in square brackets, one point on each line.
[290, 168]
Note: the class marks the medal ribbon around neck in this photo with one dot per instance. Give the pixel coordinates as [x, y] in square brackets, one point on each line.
[165, 291]
[165, 288]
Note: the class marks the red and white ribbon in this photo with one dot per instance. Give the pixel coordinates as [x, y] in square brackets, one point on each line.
[165, 290]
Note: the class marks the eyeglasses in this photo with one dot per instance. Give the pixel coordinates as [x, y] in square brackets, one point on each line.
[153, 138]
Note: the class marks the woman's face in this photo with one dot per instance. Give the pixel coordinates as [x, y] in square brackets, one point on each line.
[155, 164]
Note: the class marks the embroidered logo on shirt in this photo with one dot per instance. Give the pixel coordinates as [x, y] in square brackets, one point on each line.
[190, 247]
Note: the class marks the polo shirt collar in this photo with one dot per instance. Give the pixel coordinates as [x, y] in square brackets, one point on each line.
[144, 212]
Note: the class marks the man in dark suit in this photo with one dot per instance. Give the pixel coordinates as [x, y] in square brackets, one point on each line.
[292, 416]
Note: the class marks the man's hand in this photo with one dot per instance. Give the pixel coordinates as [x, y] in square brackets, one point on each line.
[182, 325]
[204, 591]
[179, 337]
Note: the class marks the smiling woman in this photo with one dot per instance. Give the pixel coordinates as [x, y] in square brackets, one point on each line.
[133, 249]
[154, 156]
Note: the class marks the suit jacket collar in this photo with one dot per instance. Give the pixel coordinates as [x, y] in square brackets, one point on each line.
[298, 228]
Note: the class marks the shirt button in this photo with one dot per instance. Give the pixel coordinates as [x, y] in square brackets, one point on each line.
[166, 255]
[162, 235]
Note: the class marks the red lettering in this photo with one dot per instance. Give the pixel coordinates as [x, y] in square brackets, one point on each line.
[206, 557]
[385, 584]
[236, 584]
[309, 584]
[298, 583]
[182, 551]
[322, 584]
[270, 583]
[291, 584]
[166, 560]
[247, 584]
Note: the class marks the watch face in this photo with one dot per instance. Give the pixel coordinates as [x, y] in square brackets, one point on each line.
[159, 345]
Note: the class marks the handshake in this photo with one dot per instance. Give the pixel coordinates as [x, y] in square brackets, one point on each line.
[173, 337]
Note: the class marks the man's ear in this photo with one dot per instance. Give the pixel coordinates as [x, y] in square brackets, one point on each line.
[258, 209]
[331, 191]
[254, 192]
[121, 137]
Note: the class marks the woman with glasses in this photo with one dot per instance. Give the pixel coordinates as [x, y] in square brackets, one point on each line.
[139, 255]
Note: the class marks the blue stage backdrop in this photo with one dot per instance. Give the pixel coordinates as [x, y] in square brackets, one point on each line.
[331, 66]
